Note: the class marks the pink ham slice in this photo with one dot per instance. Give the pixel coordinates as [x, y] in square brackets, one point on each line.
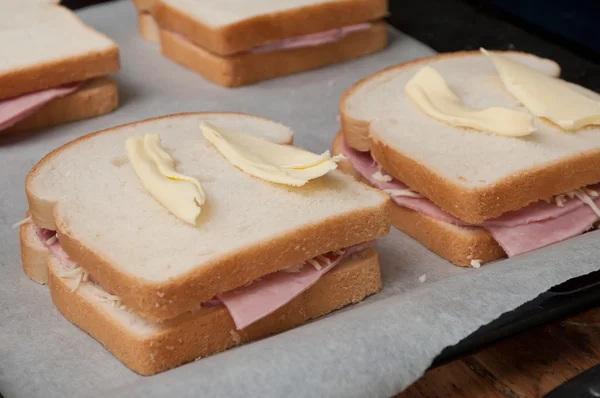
[524, 238]
[311, 40]
[535, 226]
[13, 110]
[248, 304]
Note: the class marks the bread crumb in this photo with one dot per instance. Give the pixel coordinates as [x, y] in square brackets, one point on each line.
[423, 278]
[475, 263]
[235, 336]
[461, 178]
[197, 359]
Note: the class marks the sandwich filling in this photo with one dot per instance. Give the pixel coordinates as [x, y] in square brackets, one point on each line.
[535, 226]
[246, 304]
[13, 110]
[310, 40]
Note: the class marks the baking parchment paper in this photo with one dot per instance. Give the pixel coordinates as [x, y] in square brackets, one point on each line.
[373, 349]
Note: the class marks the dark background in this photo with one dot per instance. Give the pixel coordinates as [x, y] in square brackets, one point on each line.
[567, 31]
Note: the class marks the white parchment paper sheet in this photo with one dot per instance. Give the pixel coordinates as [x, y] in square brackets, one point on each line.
[376, 348]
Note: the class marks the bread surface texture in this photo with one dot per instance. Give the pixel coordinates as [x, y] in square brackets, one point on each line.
[161, 266]
[459, 245]
[46, 45]
[149, 348]
[247, 68]
[232, 26]
[97, 97]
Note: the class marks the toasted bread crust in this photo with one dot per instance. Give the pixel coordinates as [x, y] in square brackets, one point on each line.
[183, 293]
[470, 205]
[447, 241]
[148, 28]
[211, 330]
[34, 255]
[263, 29]
[97, 97]
[54, 74]
[246, 68]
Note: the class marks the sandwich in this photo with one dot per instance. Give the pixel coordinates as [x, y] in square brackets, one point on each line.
[54, 67]
[484, 154]
[174, 238]
[146, 23]
[235, 43]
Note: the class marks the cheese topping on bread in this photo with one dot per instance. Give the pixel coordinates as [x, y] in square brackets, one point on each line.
[180, 194]
[430, 92]
[561, 102]
[282, 164]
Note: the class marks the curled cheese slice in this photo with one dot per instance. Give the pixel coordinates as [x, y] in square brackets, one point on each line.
[429, 91]
[180, 194]
[546, 96]
[282, 164]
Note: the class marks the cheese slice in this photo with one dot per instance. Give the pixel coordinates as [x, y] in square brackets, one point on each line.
[429, 91]
[282, 164]
[180, 194]
[545, 96]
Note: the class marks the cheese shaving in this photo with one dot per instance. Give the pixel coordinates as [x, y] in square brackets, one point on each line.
[378, 176]
[52, 240]
[325, 259]
[402, 192]
[315, 264]
[22, 222]
[560, 200]
[585, 198]
[476, 263]
[78, 273]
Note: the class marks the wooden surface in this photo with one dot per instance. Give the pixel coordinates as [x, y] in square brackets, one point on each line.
[528, 365]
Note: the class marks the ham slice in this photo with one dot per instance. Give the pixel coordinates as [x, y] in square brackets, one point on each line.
[250, 303]
[311, 40]
[524, 238]
[535, 226]
[13, 110]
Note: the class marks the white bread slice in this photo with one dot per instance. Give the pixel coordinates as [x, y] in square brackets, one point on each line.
[162, 267]
[241, 69]
[97, 97]
[459, 245]
[228, 27]
[149, 348]
[45, 46]
[148, 27]
[470, 174]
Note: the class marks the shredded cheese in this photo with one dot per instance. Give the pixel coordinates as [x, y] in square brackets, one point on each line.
[52, 240]
[476, 263]
[325, 259]
[560, 200]
[22, 222]
[423, 278]
[315, 264]
[379, 176]
[78, 273]
[402, 192]
[585, 198]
